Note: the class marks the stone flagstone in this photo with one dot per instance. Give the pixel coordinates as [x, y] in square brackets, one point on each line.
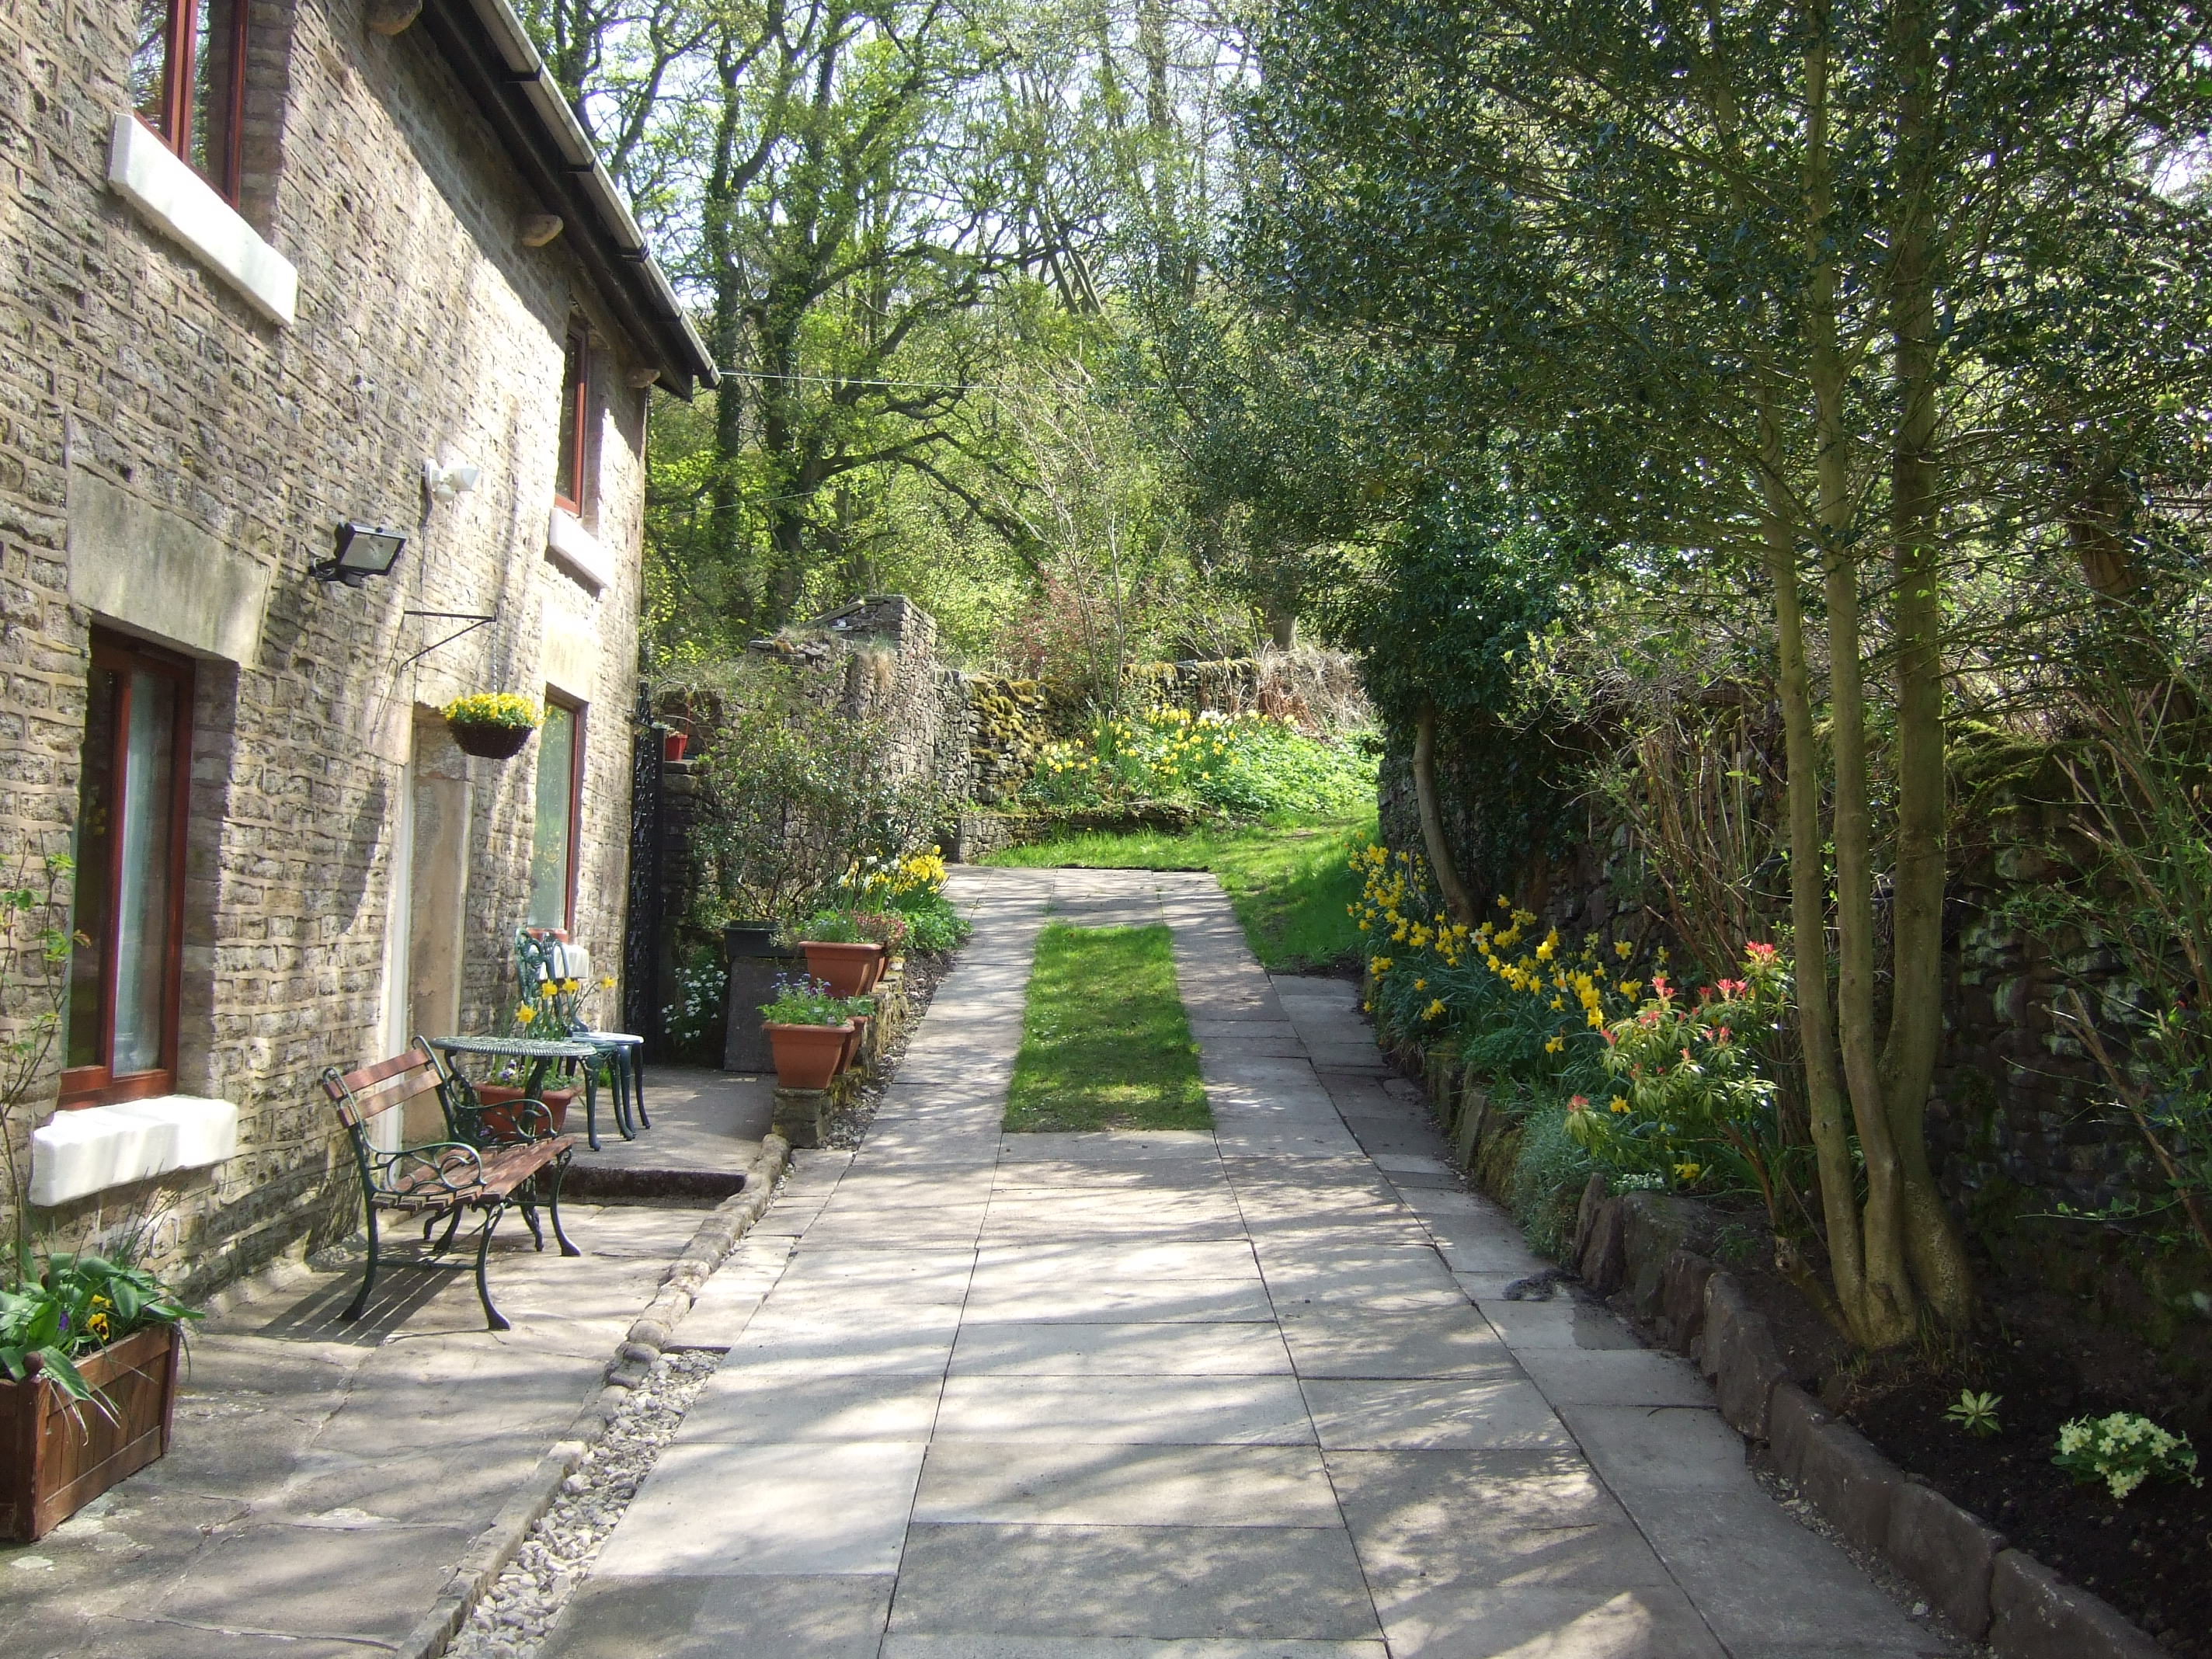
[1254, 1392]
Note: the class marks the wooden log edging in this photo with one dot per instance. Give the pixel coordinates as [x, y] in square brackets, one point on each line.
[649, 1333]
[1642, 1246]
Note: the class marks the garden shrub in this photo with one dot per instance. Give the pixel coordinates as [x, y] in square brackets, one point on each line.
[1548, 1177]
[1249, 765]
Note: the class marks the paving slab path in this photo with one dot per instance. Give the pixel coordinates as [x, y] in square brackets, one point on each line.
[1250, 1394]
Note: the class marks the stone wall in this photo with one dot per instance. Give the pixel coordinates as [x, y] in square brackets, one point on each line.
[159, 441]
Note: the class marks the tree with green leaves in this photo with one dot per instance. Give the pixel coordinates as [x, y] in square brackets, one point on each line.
[1846, 303]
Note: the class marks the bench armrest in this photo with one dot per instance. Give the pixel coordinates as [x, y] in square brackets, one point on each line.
[451, 1166]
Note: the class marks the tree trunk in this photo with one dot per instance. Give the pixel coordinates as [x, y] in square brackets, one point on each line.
[1449, 888]
[1808, 886]
[1916, 1021]
[1884, 1314]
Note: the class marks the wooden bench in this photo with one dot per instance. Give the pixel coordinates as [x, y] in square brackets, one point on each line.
[443, 1179]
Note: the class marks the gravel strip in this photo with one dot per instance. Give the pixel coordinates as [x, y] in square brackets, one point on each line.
[511, 1621]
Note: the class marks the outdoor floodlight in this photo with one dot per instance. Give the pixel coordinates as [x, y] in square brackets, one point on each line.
[363, 551]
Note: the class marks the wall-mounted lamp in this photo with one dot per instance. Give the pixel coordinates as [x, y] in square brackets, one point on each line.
[363, 551]
[444, 482]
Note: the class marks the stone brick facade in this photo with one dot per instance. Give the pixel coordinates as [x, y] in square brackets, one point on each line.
[161, 441]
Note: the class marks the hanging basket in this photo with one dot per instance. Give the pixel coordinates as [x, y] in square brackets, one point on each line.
[490, 742]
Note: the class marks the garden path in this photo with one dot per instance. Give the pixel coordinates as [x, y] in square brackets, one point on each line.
[1197, 1395]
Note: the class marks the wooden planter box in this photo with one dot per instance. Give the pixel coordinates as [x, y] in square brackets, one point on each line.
[54, 1461]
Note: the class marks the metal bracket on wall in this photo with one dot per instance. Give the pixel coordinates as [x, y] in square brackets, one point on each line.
[471, 617]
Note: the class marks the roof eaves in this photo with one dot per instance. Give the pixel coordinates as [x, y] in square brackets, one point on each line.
[547, 127]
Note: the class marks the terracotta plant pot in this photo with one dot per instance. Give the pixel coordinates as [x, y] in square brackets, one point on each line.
[859, 1045]
[489, 742]
[849, 970]
[54, 1460]
[673, 744]
[503, 1123]
[807, 1056]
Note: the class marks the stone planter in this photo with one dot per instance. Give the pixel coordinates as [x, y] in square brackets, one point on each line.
[849, 970]
[54, 1460]
[486, 741]
[808, 1056]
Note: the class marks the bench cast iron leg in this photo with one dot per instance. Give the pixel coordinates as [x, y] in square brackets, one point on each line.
[637, 1080]
[530, 1214]
[368, 1278]
[451, 1227]
[494, 1320]
[553, 1206]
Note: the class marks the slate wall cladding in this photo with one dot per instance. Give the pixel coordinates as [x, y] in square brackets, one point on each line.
[425, 331]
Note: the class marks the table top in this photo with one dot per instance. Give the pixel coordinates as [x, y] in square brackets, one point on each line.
[513, 1047]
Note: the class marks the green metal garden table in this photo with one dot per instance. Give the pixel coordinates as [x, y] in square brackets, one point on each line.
[542, 1054]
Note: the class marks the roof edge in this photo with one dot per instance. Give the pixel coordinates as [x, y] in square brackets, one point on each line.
[504, 70]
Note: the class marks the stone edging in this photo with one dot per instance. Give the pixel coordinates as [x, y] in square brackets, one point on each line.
[490, 1551]
[1989, 1591]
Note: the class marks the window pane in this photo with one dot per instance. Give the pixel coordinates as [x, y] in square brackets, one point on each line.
[150, 62]
[142, 897]
[567, 470]
[215, 90]
[95, 918]
[555, 827]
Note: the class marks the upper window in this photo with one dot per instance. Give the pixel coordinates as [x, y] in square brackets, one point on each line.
[188, 82]
[554, 834]
[124, 967]
[575, 400]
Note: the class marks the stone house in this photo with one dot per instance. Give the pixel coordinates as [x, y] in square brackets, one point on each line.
[286, 279]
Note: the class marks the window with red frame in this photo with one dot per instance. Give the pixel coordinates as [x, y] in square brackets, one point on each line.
[128, 926]
[556, 832]
[576, 402]
[188, 82]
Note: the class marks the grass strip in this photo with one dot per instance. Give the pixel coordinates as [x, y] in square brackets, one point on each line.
[1105, 1043]
[1289, 880]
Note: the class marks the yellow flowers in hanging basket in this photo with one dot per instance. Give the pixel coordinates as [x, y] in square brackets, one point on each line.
[493, 708]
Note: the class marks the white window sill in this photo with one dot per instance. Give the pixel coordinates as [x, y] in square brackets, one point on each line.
[156, 180]
[576, 551]
[91, 1150]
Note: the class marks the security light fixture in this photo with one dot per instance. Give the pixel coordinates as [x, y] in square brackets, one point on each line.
[363, 551]
[444, 482]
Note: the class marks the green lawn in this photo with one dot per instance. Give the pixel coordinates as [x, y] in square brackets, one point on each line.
[1105, 1044]
[1289, 878]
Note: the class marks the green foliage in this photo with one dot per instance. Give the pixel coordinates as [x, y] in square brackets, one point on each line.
[1288, 879]
[1105, 1043]
[73, 1305]
[2124, 1449]
[1249, 765]
[800, 999]
[797, 798]
[1696, 1094]
[1975, 1414]
[694, 1022]
[1549, 1173]
[932, 922]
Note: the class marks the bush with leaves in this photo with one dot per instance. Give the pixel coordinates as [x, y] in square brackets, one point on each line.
[1693, 1096]
[798, 796]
